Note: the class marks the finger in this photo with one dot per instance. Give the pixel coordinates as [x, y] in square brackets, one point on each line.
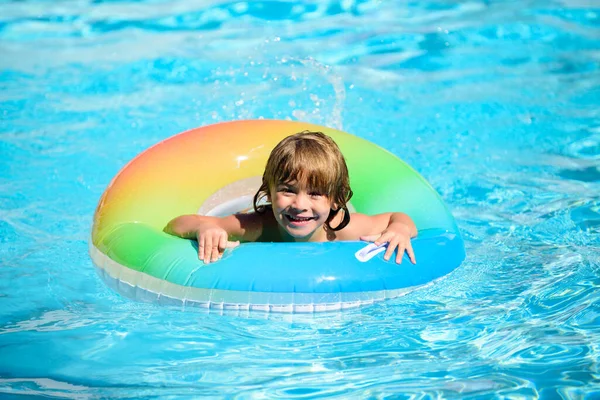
[411, 253]
[390, 250]
[215, 253]
[201, 247]
[383, 238]
[387, 237]
[208, 244]
[400, 254]
[222, 242]
[229, 245]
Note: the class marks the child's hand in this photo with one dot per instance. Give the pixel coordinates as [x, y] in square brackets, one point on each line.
[397, 235]
[212, 242]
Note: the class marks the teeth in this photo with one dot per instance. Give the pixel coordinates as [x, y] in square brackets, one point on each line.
[300, 218]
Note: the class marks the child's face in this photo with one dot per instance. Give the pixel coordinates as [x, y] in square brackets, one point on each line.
[300, 211]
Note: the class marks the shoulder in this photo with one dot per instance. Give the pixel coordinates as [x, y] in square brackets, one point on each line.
[353, 230]
[363, 225]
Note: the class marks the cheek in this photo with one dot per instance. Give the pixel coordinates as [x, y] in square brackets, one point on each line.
[277, 201]
[326, 208]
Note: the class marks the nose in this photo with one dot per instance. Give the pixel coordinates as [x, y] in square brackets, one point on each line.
[301, 201]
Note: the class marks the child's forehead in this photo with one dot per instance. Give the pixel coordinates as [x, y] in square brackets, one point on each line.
[294, 182]
[304, 182]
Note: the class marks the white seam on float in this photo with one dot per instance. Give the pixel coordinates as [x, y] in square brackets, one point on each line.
[219, 299]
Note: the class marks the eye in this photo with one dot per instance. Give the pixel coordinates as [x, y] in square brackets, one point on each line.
[315, 194]
[285, 189]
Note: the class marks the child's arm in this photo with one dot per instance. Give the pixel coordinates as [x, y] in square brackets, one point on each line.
[394, 228]
[213, 233]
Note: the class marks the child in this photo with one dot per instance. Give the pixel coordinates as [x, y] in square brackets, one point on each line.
[307, 189]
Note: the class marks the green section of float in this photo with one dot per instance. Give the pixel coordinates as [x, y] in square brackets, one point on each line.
[384, 183]
[142, 248]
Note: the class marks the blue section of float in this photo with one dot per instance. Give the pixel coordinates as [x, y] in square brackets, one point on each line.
[327, 267]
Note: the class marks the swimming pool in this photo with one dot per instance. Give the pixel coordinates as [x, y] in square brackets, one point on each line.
[496, 103]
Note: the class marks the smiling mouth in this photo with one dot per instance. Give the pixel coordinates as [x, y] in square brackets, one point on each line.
[299, 220]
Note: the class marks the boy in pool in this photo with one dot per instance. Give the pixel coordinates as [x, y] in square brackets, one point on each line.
[306, 186]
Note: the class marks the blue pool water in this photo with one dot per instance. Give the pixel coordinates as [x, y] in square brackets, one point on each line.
[496, 103]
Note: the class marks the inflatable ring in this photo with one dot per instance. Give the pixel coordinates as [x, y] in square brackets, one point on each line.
[215, 170]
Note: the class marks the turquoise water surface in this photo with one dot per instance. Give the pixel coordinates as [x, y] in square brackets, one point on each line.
[496, 103]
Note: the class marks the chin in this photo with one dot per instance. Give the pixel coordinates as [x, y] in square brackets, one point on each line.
[302, 233]
[298, 234]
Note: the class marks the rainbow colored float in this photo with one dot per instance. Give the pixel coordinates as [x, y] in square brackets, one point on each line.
[215, 170]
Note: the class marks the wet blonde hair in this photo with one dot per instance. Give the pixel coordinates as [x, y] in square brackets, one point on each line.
[314, 160]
